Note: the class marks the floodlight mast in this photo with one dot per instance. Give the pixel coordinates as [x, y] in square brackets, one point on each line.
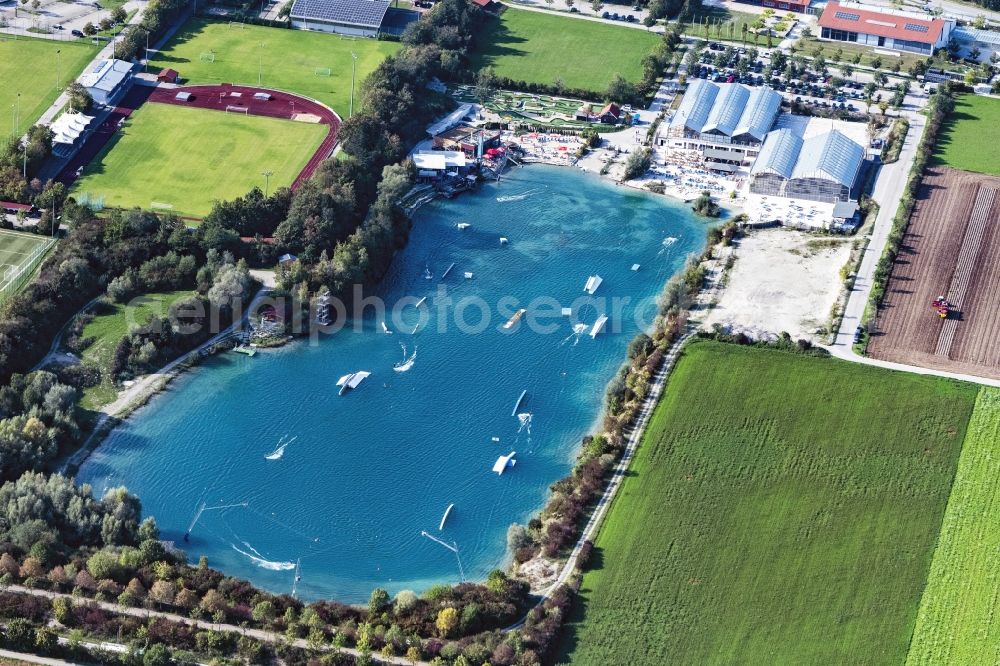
[354, 67]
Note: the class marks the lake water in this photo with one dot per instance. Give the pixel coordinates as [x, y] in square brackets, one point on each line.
[370, 470]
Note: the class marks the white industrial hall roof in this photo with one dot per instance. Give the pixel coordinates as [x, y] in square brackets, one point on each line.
[829, 156]
[731, 109]
[778, 154]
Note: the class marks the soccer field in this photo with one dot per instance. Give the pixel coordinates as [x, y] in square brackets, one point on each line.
[20, 253]
[312, 64]
[781, 509]
[540, 48]
[31, 67]
[965, 139]
[189, 157]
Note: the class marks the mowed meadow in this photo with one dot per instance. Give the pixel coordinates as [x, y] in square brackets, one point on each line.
[782, 508]
[542, 48]
[958, 621]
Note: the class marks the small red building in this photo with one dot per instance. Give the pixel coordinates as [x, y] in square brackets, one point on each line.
[168, 76]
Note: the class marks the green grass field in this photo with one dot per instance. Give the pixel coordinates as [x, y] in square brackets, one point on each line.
[975, 124]
[20, 256]
[958, 623]
[190, 157]
[109, 327]
[31, 67]
[288, 60]
[782, 509]
[540, 48]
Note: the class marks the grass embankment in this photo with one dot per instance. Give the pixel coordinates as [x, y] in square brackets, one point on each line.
[965, 138]
[781, 509]
[541, 48]
[189, 158]
[958, 622]
[30, 67]
[107, 329]
[287, 59]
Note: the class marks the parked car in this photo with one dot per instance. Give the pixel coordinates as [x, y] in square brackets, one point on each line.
[606, 15]
[630, 18]
[574, 10]
[859, 334]
[76, 33]
[59, 26]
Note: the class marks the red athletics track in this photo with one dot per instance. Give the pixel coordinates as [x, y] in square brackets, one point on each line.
[281, 105]
[216, 97]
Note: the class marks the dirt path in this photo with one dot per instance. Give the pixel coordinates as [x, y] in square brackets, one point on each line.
[259, 634]
[144, 388]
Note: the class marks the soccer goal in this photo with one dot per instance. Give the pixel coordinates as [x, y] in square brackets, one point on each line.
[322, 71]
[237, 109]
[161, 205]
[207, 57]
[237, 24]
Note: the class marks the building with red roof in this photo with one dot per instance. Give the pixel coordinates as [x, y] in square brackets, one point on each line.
[888, 29]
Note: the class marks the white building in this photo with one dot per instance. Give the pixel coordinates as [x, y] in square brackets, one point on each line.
[362, 18]
[823, 167]
[726, 122]
[108, 80]
[987, 42]
[885, 28]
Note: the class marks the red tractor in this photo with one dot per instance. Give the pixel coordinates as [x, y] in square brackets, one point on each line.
[941, 306]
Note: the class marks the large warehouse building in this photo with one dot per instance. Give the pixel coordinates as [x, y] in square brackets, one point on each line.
[823, 167]
[901, 31]
[361, 18]
[726, 122]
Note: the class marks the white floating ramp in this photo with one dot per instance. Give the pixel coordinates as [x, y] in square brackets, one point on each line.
[445, 516]
[463, 225]
[351, 381]
[593, 282]
[517, 404]
[503, 462]
[598, 326]
[513, 320]
[635, 267]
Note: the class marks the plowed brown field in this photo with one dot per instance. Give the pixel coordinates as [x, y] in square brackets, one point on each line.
[908, 329]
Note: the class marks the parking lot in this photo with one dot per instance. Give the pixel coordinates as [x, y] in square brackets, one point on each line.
[57, 19]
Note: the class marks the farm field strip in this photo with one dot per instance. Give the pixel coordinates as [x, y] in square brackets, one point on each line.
[957, 622]
[971, 245]
[788, 529]
[929, 264]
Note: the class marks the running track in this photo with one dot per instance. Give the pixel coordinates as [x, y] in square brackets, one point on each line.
[215, 97]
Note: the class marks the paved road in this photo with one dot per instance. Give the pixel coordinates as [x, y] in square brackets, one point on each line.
[259, 634]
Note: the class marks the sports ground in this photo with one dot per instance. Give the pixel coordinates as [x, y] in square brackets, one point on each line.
[30, 67]
[966, 139]
[187, 158]
[781, 509]
[19, 254]
[312, 64]
[541, 48]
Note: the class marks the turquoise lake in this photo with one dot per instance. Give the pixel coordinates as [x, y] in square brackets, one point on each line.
[369, 470]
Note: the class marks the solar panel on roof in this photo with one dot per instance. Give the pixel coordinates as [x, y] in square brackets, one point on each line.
[915, 27]
[848, 16]
[367, 13]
